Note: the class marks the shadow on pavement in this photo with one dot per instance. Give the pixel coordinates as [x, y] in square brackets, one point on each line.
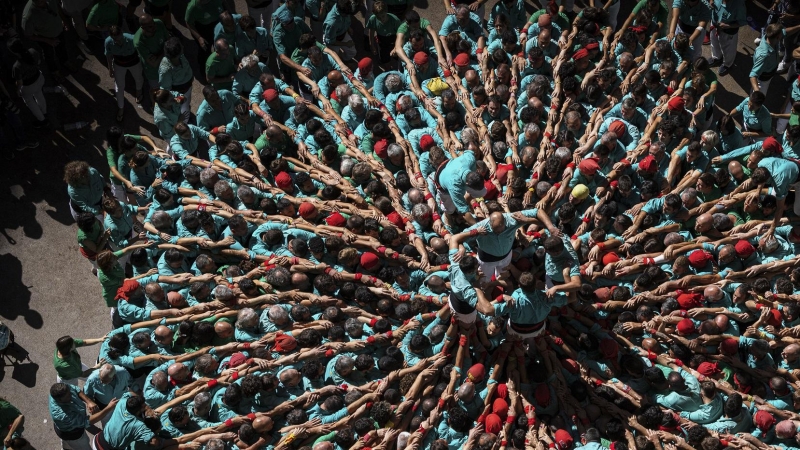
[17, 294]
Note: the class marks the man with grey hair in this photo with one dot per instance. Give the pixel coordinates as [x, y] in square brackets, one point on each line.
[106, 384]
[274, 318]
[346, 167]
[339, 369]
[247, 325]
[355, 111]
[224, 192]
[390, 82]
[209, 178]
[531, 136]
[629, 112]
[224, 294]
[200, 410]
[689, 198]
[248, 76]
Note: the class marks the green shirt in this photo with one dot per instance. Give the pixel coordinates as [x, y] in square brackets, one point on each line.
[216, 67]
[112, 157]
[103, 14]
[92, 236]
[286, 41]
[148, 46]
[111, 281]
[388, 28]
[68, 367]
[8, 414]
[44, 22]
[423, 24]
[203, 13]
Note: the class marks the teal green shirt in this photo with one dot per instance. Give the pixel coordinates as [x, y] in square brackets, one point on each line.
[765, 59]
[208, 117]
[758, 120]
[170, 74]
[126, 48]
[123, 428]
[70, 416]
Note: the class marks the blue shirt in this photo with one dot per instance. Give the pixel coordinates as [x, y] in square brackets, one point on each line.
[104, 393]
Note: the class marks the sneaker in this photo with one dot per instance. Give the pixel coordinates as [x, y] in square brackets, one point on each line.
[707, 39]
[714, 62]
[20, 147]
[783, 67]
[723, 70]
[31, 144]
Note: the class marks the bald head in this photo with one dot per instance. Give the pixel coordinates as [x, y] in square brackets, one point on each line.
[262, 424]
[650, 344]
[223, 329]
[705, 222]
[722, 322]
[335, 78]
[713, 293]
[545, 20]
[145, 19]
[791, 352]
[289, 377]
[472, 77]
[466, 392]
[497, 222]
[178, 371]
[323, 446]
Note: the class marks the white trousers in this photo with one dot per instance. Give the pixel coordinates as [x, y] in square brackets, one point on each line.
[346, 52]
[262, 16]
[796, 187]
[763, 86]
[74, 381]
[697, 44]
[494, 267]
[81, 443]
[119, 192]
[782, 124]
[34, 98]
[120, 73]
[723, 46]
[78, 22]
[466, 319]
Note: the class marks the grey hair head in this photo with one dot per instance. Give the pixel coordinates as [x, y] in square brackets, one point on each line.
[393, 82]
[246, 318]
[394, 150]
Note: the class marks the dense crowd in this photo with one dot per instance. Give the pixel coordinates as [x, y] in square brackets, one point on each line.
[512, 231]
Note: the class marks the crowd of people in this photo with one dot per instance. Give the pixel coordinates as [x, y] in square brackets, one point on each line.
[510, 231]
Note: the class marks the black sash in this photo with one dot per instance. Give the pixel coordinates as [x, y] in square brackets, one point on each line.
[460, 306]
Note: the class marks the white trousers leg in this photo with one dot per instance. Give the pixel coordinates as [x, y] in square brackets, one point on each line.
[796, 187]
[782, 124]
[493, 268]
[697, 44]
[723, 46]
[346, 52]
[81, 443]
[78, 22]
[262, 16]
[120, 73]
[763, 86]
[34, 98]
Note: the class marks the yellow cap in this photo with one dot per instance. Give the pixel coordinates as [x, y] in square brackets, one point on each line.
[580, 191]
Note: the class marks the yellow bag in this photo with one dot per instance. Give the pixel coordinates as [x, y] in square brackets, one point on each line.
[437, 86]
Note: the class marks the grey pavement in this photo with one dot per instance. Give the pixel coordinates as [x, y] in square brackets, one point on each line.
[46, 288]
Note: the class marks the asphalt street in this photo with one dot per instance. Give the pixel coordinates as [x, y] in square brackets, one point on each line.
[47, 288]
